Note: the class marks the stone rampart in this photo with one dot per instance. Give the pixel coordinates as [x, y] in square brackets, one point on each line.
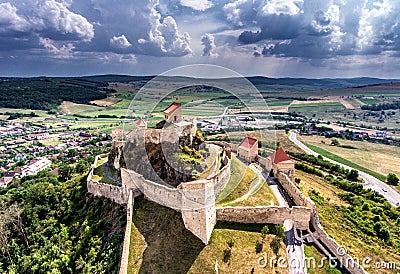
[334, 248]
[266, 215]
[117, 194]
[123, 269]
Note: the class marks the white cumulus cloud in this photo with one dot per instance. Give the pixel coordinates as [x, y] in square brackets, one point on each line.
[120, 42]
[200, 5]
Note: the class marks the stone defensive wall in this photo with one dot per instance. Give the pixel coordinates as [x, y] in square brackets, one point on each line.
[266, 215]
[319, 234]
[117, 194]
[160, 193]
[172, 197]
[153, 135]
[123, 269]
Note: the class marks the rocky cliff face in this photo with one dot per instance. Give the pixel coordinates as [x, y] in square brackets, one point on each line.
[174, 162]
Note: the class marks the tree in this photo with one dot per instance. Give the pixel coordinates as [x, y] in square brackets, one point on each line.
[65, 172]
[280, 231]
[335, 142]
[392, 179]
[275, 245]
[353, 175]
[81, 166]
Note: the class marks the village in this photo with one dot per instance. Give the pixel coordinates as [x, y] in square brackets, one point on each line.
[27, 149]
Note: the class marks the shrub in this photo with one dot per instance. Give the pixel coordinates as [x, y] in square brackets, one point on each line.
[275, 245]
[259, 245]
[392, 179]
[264, 232]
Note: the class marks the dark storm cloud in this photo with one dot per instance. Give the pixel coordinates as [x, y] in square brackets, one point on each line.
[318, 29]
[122, 27]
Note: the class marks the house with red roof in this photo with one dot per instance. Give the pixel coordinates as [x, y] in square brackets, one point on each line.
[173, 113]
[248, 149]
[280, 161]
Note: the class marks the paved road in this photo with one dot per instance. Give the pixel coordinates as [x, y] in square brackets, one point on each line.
[370, 182]
[294, 249]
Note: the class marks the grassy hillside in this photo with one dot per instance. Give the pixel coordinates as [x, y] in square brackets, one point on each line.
[361, 222]
[47, 226]
[161, 244]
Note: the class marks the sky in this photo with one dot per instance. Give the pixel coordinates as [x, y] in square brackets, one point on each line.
[274, 38]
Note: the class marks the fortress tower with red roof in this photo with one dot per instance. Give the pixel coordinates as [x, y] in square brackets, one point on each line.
[248, 149]
[280, 161]
[173, 113]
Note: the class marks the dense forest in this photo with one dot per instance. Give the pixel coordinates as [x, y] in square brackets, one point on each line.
[47, 93]
[50, 226]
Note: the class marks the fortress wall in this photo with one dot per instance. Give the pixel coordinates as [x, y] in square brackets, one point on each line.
[219, 143]
[266, 215]
[156, 136]
[300, 199]
[127, 238]
[117, 194]
[198, 208]
[161, 194]
[234, 147]
[222, 177]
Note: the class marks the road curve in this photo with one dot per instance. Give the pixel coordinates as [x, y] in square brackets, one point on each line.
[371, 182]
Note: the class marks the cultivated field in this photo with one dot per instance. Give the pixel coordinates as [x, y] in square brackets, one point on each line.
[380, 158]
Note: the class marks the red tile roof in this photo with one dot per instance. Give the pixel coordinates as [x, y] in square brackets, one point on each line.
[172, 107]
[280, 156]
[248, 142]
[141, 123]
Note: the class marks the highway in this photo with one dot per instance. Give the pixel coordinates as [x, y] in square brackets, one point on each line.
[370, 182]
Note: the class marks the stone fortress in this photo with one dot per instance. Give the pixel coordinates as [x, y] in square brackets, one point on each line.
[137, 155]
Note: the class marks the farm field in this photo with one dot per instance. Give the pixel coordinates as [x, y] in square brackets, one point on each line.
[322, 109]
[380, 158]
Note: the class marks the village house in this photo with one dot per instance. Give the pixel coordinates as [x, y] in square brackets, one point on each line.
[38, 136]
[35, 166]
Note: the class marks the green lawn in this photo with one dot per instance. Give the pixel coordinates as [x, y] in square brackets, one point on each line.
[341, 160]
[239, 182]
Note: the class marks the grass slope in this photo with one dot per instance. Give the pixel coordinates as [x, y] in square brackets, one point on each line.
[339, 222]
[161, 244]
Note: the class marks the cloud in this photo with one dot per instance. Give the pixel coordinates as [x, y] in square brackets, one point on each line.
[50, 18]
[147, 30]
[10, 21]
[281, 7]
[120, 42]
[200, 5]
[58, 21]
[209, 49]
